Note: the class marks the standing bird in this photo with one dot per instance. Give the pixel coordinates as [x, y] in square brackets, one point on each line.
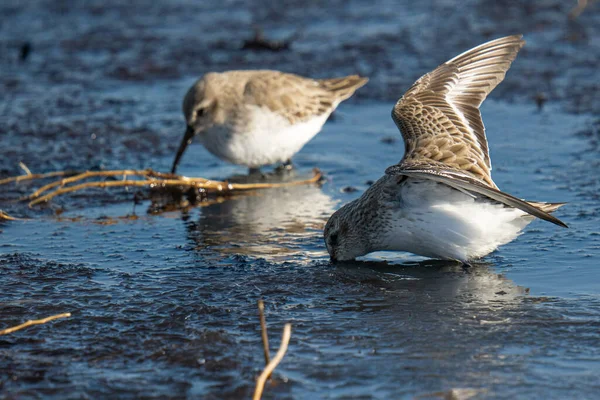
[440, 200]
[256, 118]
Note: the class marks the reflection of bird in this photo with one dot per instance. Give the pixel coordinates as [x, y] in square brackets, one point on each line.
[271, 224]
[449, 280]
[256, 118]
[440, 201]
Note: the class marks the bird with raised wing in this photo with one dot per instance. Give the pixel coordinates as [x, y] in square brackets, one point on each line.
[440, 200]
[262, 117]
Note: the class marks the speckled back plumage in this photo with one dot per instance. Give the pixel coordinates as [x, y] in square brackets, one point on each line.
[292, 96]
[297, 98]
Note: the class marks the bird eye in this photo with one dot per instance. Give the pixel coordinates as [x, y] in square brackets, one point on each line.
[199, 112]
[333, 238]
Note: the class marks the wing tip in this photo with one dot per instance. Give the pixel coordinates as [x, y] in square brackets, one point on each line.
[549, 208]
[345, 87]
[516, 42]
[513, 39]
[551, 218]
[557, 221]
[349, 81]
[562, 224]
[517, 37]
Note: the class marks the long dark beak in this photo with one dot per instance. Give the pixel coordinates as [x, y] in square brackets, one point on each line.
[187, 139]
[332, 257]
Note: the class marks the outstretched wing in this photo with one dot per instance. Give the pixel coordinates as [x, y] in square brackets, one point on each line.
[297, 98]
[439, 115]
[442, 128]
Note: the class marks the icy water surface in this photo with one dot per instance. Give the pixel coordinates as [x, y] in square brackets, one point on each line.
[164, 306]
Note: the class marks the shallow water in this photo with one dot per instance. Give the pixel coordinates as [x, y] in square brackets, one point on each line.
[164, 305]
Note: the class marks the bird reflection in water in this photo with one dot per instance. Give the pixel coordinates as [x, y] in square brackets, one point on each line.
[431, 282]
[275, 224]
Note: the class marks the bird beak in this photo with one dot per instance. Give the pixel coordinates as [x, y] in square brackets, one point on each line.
[187, 139]
[332, 257]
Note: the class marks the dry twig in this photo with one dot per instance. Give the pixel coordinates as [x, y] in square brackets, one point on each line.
[260, 382]
[263, 330]
[33, 322]
[5, 216]
[155, 179]
[147, 173]
[35, 176]
[150, 179]
[24, 168]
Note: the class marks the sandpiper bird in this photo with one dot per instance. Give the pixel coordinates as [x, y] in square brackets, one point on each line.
[440, 200]
[256, 118]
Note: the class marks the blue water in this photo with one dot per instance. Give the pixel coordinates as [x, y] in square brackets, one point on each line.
[164, 305]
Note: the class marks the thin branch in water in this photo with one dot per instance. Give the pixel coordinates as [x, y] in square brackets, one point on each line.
[148, 173]
[263, 330]
[33, 322]
[6, 217]
[151, 179]
[24, 168]
[20, 178]
[169, 181]
[260, 382]
[104, 184]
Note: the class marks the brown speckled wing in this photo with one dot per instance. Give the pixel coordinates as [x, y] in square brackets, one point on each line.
[442, 128]
[297, 98]
[439, 115]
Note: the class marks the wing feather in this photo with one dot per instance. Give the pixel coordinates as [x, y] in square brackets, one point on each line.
[443, 131]
[444, 104]
[462, 181]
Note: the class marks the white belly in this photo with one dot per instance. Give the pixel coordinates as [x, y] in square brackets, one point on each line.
[266, 138]
[440, 222]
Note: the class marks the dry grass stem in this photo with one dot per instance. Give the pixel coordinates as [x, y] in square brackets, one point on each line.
[6, 217]
[263, 330]
[147, 173]
[24, 168]
[260, 382]
[33, 322]
[152, 179]
[28, 177]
